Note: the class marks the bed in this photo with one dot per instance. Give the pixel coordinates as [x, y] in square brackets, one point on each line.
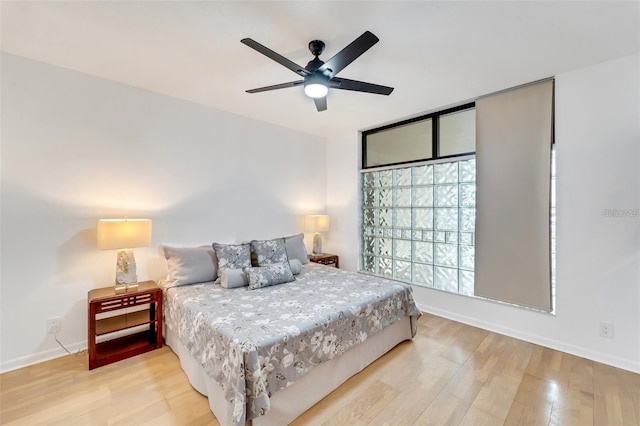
[264, 356]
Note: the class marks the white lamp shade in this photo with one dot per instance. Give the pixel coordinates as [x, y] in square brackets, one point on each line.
[316, 223]
[123, 233]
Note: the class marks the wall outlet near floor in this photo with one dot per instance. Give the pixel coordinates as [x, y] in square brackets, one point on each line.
[606, 330]
[54, 325]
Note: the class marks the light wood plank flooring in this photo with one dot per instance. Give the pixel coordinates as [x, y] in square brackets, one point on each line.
[450, 374]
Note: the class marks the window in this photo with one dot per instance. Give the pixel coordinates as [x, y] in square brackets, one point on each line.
[400, 144]
[419, 217]
[552, 227]
[418, 220]
[442, 134]
[457, 132]
[419, 224]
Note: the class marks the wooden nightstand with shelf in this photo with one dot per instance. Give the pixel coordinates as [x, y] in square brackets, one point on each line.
[325, 259]
[109, 313]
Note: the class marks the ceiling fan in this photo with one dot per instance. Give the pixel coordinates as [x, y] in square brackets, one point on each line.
[319, 76]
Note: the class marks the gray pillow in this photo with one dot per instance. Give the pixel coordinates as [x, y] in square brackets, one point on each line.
[294, 245]
[296, 266]
[269, 251]
[190, 265]
[233, 278]
[264, 276]
[232, 256]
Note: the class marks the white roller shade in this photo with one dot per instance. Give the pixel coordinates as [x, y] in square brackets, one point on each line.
[514, 131]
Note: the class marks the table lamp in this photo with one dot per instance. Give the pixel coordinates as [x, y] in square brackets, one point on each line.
[123, 235]
[316, 223]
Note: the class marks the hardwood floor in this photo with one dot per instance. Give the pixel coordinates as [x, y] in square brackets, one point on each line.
[450, 374]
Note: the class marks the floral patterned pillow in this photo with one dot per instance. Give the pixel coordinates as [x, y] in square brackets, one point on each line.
[264, 276]
[268, 252]
[232, 256]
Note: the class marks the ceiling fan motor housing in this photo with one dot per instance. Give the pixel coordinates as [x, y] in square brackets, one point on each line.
[316, 47]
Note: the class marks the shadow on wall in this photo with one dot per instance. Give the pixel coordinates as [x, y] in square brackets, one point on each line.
[63, 238]
[75, 256]
[223, 214]
[230, 214]
[81, 261]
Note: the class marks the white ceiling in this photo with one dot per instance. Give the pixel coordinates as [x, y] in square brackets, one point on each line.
[434, 53]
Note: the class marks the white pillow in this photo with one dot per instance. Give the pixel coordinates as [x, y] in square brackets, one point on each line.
[233, 278]
[190, 265]
[296, 266]
[295, 248]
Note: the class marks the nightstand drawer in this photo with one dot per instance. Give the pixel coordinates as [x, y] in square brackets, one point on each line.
[123, 302]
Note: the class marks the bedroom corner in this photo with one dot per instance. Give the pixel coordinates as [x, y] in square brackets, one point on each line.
[104, 150]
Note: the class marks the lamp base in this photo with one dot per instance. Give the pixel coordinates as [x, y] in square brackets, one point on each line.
[126, 276]
[317, 243]
[123, 288]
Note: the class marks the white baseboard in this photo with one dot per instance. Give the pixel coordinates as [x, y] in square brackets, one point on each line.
[43, 356]
[604, 358]
[597, 356]
[58, 352]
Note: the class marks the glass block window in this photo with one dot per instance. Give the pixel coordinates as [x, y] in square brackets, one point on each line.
[419, 224]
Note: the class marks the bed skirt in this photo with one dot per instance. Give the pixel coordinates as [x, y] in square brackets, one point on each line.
[289, 403]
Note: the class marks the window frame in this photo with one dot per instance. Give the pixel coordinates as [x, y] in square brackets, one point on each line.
[435, 137]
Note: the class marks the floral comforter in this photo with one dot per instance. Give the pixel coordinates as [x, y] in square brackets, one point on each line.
[256, 342]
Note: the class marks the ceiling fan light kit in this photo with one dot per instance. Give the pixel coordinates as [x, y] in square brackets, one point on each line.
[318, 76]
[314, 87]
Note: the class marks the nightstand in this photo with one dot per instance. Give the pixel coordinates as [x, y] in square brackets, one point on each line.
[109, 313]
[325, 259]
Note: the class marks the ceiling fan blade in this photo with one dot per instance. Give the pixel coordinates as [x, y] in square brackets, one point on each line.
[347, 55]
[359, 86]
[321, 103]
[276, 57]
[276, 86]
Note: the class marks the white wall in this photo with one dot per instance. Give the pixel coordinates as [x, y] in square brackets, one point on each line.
[76, 148]
[598, 257]
[343, 162]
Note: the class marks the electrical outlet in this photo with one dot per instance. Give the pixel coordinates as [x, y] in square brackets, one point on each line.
[606, 330]
[54, 325]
